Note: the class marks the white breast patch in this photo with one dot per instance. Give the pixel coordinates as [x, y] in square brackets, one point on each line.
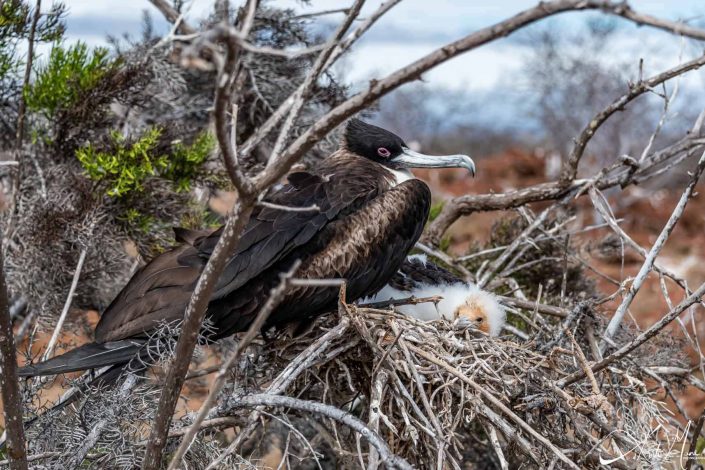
[401, 175]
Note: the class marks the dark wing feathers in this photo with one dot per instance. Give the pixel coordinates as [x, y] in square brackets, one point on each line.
[272, 234]
[189, 236]
[88, 356]
[160, 291]
[416, 271]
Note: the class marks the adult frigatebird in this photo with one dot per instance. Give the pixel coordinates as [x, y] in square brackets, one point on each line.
[371, 212]
[462, 301]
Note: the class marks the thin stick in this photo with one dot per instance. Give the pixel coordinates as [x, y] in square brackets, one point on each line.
[648, 264]
[67, 305]
[502, 407]
[275, 298]
[647, 334]
[503, 464]
[387, 457]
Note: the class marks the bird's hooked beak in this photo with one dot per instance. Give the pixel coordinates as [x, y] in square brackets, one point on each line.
[410, 159]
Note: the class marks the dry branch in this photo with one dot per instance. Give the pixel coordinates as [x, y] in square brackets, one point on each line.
[649, 333]
[386, 456]
[648, 264]
[9, 385]
[275, 298]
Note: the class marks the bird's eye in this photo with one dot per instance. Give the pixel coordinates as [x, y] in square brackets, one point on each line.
[479, 320]
[383, 152]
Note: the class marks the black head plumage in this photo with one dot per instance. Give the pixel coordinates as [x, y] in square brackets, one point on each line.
[372, 142]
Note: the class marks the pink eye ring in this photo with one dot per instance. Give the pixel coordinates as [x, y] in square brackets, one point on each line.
[383, 152]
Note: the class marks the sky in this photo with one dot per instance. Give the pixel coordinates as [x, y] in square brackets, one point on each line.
[407, 32]
[416, 27]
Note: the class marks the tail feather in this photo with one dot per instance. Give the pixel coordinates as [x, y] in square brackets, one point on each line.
[88, 356]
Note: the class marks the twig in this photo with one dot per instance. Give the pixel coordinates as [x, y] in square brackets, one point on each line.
[533, 306]
[391, 303]
[322, 13]
[274, 299]
[376, 397]
[647, 334]
[172, 16]
[492, 432]
[489, 397]
[67, 305]
[692, 451]
[647, 266]
[386, 455]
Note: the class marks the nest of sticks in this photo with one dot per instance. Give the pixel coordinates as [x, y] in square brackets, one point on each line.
[440, 396]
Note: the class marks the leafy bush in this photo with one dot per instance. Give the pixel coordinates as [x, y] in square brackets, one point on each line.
[126, 166]
[69, 73]
[185, 161]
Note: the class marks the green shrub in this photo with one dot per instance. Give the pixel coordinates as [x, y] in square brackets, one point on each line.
[126, 165]
[185, 162]
[68, 74]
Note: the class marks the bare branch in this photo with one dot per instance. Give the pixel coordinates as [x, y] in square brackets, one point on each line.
[647, 334]
[466, 205]
[386, 456]
[9, 386]
[570, 169]
[193, 318]
[274, 299]
[237, 219]
[648, 264]
[69, 300]
[172, 16]
[322, 13]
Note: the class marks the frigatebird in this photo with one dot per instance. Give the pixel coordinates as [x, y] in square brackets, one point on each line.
[462, 301]
[371, 211]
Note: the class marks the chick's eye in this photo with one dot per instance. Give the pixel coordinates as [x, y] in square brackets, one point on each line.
[383, 152]
[479, 320]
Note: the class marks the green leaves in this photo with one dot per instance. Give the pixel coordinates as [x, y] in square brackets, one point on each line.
[126, 166]
[69, 73]
[185, 161]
